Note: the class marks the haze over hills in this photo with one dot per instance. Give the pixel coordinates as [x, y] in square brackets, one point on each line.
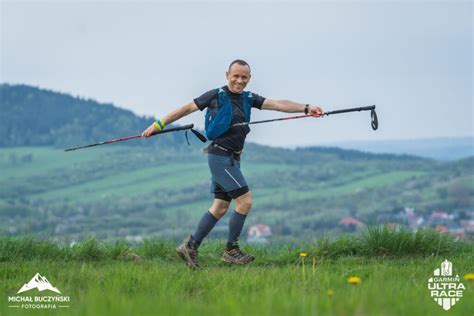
[434, 148]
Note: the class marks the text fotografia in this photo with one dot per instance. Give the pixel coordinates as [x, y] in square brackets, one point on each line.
[445, 289]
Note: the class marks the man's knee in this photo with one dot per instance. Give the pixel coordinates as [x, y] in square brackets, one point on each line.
[219, 208]
[244, 203]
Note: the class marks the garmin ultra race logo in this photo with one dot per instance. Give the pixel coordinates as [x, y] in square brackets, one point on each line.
[45, 301]
[445, 289]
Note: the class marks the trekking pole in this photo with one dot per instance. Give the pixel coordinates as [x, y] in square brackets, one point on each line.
[373, 115]
[173, 129]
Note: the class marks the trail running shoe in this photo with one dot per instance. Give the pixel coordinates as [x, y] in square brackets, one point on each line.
[188, 252]
[237, 256]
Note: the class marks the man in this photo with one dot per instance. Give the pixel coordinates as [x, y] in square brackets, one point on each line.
[226, 108]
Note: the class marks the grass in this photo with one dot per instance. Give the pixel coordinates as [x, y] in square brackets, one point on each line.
[372, 242]
[101, 279]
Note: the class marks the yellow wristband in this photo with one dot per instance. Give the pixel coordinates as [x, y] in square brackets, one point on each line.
[159, 125]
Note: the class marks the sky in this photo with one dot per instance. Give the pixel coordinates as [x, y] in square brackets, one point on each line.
[412, 59]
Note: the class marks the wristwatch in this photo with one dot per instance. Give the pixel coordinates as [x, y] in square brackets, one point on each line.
[306, 109]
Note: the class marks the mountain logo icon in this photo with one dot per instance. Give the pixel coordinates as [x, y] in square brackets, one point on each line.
[38, 282]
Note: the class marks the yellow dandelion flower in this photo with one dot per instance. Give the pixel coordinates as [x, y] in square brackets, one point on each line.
[330, 293]
[354, 280]
[469, 276]
[303, 254]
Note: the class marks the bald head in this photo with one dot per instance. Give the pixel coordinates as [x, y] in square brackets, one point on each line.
[238, 62]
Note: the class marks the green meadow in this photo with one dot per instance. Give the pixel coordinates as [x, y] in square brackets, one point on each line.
[114, 278]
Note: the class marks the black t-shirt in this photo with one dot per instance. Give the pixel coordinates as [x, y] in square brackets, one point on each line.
[234, 138]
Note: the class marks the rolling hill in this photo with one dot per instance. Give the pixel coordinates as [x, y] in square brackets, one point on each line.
[141, 190]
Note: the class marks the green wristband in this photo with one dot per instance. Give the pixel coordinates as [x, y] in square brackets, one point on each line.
[159, 125]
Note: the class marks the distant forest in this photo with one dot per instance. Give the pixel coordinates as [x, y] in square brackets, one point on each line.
[36, 117]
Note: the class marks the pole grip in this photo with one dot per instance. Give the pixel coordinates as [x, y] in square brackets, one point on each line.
[364, 108]
[175, 129]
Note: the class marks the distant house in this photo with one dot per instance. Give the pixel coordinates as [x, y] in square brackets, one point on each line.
[458, 232]
[350, 223]
[454, 230]
[441, 228]
[259, 233]
[440, 218]
[440, 215]
[400, 217]
[414, 221]
[468, 226]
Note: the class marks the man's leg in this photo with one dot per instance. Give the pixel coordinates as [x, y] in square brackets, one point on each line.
[233, 254]
[188, 250]
[238, 217]
[209, 219]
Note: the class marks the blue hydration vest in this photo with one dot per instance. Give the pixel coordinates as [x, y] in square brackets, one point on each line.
[218, 122]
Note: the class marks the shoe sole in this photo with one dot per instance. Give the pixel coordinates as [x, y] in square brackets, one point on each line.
[238, 263]
[186, 258]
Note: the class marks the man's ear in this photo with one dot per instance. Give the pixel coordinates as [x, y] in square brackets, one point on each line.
[227, 74]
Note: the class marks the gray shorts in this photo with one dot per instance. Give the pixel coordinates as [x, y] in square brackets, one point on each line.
[228, 182]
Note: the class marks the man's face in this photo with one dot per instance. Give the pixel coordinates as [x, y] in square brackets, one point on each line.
[237, 78]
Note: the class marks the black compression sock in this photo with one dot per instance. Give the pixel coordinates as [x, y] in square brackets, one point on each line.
[236, 223]
[205, 225]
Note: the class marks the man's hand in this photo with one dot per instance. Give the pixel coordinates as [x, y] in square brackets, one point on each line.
[154, 128]
[149, 131]
[315, 111]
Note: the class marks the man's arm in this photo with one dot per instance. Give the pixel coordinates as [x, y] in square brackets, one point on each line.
[180, 112]
[170, 118]
[291, 107]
